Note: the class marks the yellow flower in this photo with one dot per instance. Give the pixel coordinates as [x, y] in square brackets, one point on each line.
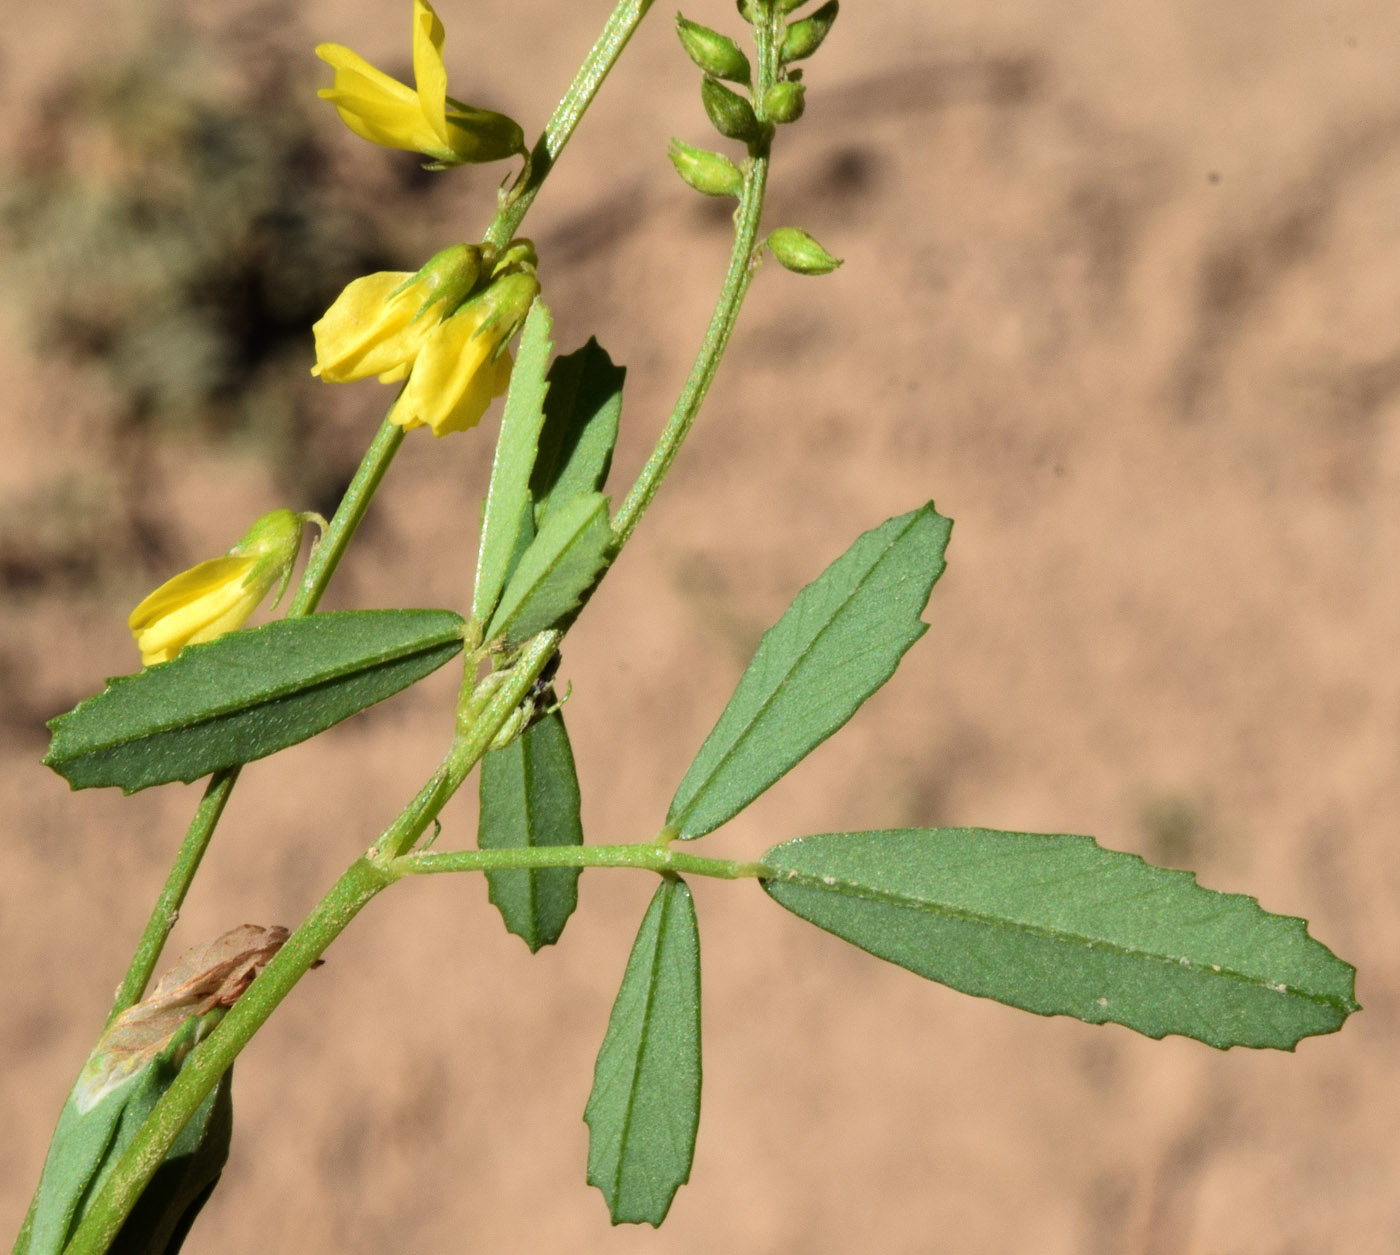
[379, 323]
[463, 365]
[386, 112]
[218, 596]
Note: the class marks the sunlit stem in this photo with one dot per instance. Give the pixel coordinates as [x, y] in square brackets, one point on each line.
[743, 259]
[623, 20]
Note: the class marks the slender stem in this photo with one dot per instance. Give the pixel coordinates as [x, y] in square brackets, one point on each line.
[172, 896]
[468, 748]
[596, 67]
[348, 515]
[647, 856]
[742, 262]
[212, 1057]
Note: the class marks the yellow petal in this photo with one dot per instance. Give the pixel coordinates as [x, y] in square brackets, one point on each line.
[349, 64]
[445, 386]
[197, 605]
[429, 73]
[376, 107]
[189, 585]
[376, 326]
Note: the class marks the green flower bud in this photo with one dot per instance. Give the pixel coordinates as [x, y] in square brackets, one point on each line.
[787, 6]
[714, 53]
[799, 252]
[747, 11]
[784, 102]
[805, 37]
[711, 173]
[732, 115]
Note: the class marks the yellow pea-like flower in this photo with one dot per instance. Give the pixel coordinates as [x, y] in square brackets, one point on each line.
[422, 118]
[464, 365]
[219, 595]
[378, 324]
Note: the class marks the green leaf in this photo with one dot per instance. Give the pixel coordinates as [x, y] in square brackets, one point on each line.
[556, 570]
[530, 798]
[838, 642]
[246, 695]
[508, 498]
[169, 1205]
[87, 1144]
[581, 413]
[645, 1106]
[1059, 926]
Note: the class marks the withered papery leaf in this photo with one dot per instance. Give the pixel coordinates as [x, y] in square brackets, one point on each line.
[211, 975]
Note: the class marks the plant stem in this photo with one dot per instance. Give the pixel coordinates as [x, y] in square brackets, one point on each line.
[212, 1057]
[743, 261]
[325, 557]
[647, 856]
[596, 67]
[172, 895]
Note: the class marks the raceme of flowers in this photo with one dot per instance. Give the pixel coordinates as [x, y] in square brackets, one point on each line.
[418, 327]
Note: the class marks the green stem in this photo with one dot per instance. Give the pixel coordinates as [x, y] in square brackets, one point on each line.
[326, 556]
[596, 67]
[743, 260]
[468, 748]
[736, 284]
[645, 857]
[348, 515]
[212, 1057]
[172, 895]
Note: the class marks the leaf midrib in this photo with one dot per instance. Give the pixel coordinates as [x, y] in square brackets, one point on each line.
[247, 705]
[845, 888]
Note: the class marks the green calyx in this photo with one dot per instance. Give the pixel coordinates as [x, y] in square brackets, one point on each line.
[805, 37]
[714, 53]
[784, 102]
[710, 173]
[799, 252]
[732, 115]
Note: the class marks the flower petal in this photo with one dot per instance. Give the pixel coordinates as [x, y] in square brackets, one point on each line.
[429, 73]
[196, 605]
[347, 64]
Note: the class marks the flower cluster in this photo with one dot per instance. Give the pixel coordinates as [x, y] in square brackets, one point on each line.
[424, 328]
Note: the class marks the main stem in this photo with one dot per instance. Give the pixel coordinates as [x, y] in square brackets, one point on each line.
[390, 858]
[353, 505]
[623, 20]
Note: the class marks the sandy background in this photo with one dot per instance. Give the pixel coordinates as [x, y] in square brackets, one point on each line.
[1120, 294]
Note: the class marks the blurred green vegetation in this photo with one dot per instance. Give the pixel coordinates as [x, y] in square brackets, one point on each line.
[174, 220]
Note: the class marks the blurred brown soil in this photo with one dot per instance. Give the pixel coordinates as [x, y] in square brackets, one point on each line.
[1120, 294]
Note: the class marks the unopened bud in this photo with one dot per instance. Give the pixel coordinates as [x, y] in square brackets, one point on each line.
[747, 11]
[805, 37]
[732, 115]
[711, 173]
[784, 102]
[714, 53]
[799, 252]
[787, 6]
